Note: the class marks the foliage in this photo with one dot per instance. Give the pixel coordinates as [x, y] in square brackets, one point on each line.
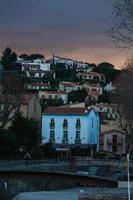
[50, 102]
[11, 96]
[78, 95]
[8, 58]
[105, 97]
[108, 70]
[32, 56]
[47, 77]
[62, 72]
[26, 132]
[7, 144]
[37, 152]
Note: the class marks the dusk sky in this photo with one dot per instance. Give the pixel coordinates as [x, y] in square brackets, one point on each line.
[70, 28]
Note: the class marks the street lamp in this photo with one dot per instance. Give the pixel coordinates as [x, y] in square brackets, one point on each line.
[128, 163]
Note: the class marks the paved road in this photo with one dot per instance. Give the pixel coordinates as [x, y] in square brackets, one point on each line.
[69, 194]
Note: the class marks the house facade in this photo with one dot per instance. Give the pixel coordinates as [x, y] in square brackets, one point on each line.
[113, 141]
[82, 67]
[91, 76]
[38, 86]
[30, 107]
[37, 74]
[66, 61]
[106, 111]
[69, 86]
[93, 88]
[54, 95]
[37, 64]
[71, 128]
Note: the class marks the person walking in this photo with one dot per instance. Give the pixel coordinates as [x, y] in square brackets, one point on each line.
[27, 157]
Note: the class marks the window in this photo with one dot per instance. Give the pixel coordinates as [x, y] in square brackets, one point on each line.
[114, 139]
[52, 123]
[77, 135]
[114, 148]
[78, 124]
[65, 123]
[52, 135]
[65, 135]
[50, 97]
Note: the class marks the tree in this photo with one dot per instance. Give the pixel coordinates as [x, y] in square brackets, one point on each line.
[78, 95]
[36, 56]
[64, 72]
[7, 144]
[11, 96]
[8, 58]
[24, 56]
[26, 132]
[122, 28]
[105, 97]
[50, 102]
[108, 70]
[32, 56]
[123, 96]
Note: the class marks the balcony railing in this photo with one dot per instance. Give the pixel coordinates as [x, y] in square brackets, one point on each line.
[78, 126]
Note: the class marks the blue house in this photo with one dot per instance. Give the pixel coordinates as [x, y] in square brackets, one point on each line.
[71, 129]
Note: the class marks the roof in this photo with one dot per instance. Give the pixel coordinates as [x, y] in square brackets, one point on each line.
[66, 110]
[39, 71]
[105, 105]
[39, 84]
[30, 65]
[93, 85]
[96, 73]
[70, 84]
[61, 58]
[91, 73]
[113, 130]
[55, 92]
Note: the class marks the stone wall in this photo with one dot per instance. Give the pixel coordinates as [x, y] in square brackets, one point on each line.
[27, 181]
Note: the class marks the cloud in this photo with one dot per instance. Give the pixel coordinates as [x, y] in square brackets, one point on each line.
[72, 27]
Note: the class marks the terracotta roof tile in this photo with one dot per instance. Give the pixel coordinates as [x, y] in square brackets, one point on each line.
[56, 92]
[66, 110]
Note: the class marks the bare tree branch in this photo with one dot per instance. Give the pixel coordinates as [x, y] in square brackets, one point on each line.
[121, 30]
[11, 97]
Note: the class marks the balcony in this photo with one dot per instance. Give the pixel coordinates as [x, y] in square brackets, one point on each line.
[65, 127]
[78, 126]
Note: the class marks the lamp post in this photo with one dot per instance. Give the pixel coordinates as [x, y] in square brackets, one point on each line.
[128, 174]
